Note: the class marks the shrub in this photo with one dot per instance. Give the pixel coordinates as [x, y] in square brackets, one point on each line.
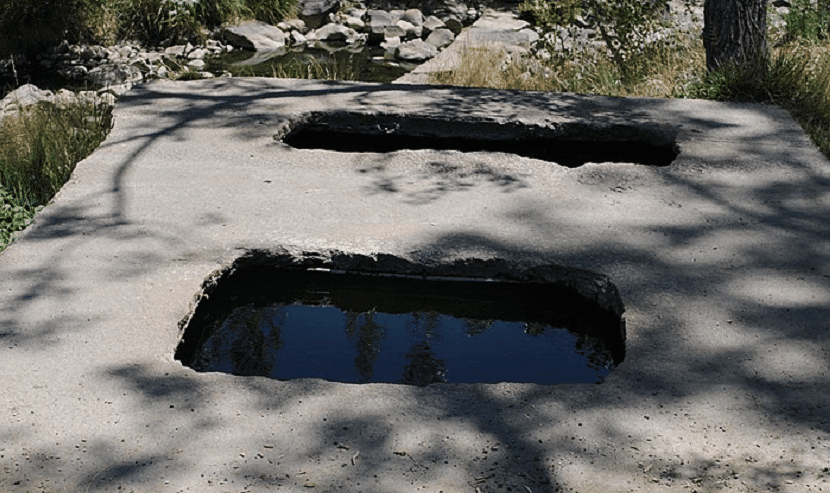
[807, 21]
[625, 26]
[547, 14]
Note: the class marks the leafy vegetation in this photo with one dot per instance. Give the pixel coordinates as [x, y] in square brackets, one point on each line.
[38, 152]
[547, 14]
[625, 26]
[808, 21]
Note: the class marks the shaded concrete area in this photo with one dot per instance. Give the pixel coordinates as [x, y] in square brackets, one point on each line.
[722, 261]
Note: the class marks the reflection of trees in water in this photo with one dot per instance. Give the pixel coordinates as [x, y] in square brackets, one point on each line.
[474, 327]
[592, 348]
[535, 329]
[367, 334]
[423, 367]
[425, 325]
[595, 351]
[248, 339]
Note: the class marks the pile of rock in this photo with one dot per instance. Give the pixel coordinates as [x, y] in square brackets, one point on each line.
[411, 35]
[125, 64]
[29, 95]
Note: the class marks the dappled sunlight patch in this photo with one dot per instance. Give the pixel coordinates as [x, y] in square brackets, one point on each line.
[780, 291]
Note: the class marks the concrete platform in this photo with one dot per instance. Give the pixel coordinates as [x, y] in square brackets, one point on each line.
[722, 261]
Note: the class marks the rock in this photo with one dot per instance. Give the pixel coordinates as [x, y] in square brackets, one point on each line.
[378, 21]
[396, 15]
[335, 32]
[440, 38]
[74, 72]
[416, 50]
[198, 54]
[454, 25]
[414, 17]
[410, 30]
[255, 35]
[393, 32]
[315, 12]
[297, 38]
[25, 95]
[114, 75]
[354, 23]
[176, 51]
[432, 23]
[391, 46]
[117, 89]
[197, 64]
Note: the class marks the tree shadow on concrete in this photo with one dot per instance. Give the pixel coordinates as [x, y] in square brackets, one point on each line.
[454, 436]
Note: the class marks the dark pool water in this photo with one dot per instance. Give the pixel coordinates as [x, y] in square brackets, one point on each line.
[360, 329]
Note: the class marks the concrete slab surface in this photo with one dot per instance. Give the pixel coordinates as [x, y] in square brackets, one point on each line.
[722, 261]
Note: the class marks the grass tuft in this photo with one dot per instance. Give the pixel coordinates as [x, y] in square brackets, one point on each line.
[39, 150]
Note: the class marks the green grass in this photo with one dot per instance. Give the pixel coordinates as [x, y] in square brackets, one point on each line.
[38, 152]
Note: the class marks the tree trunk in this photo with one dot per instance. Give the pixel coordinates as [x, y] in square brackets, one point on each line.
[735, 32]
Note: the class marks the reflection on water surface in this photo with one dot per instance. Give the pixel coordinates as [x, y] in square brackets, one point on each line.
[360, 329]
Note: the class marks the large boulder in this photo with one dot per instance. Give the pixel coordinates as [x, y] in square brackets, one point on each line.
[414, 17]
[110, 75]
[440, 38]
[377, 22]
[25, 95]
[315, 13]
[432, 23]
[335, 32]
[416, 50]
[255, 35]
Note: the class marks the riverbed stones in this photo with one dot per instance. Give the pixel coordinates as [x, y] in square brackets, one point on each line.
[114, 75]
[416, 50]
[255, 35]
[413, 16]
[336, 33]
[432, 23]
[29, 95]
[25, 95]
[411, 31]
[315, 12]
[440, 38]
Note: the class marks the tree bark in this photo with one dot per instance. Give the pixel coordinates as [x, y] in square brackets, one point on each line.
[735, 32]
